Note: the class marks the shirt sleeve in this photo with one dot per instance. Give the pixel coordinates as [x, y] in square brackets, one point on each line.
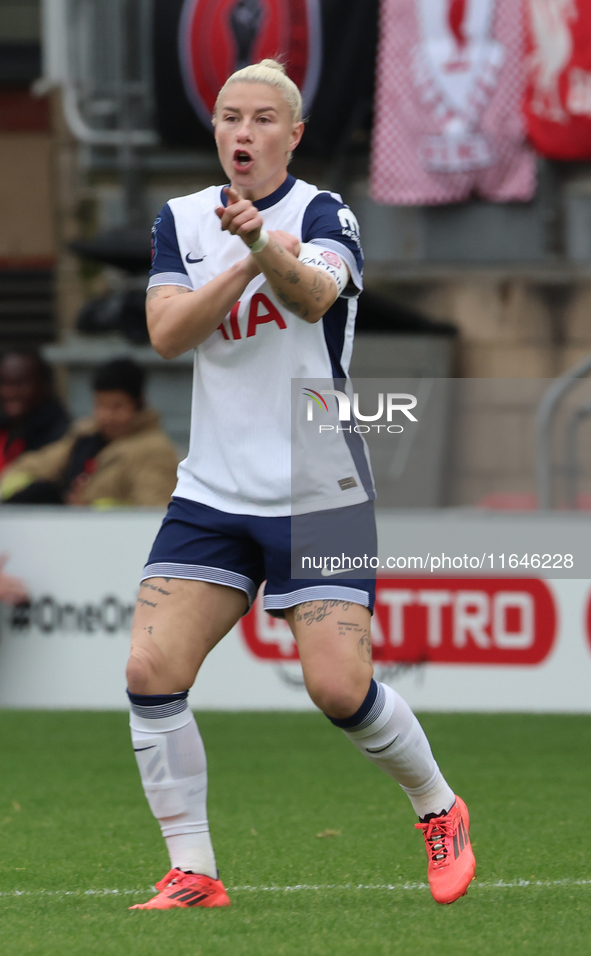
[167, 263]
[329, 222]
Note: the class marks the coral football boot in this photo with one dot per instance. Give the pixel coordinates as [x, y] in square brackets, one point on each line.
[179, 890]
[452, 865]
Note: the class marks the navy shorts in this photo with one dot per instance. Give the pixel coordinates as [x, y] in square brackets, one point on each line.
[200, 543]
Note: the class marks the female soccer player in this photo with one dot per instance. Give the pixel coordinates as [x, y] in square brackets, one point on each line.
[226, 281]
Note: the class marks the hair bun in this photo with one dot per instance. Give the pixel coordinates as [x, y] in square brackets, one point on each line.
[273, 65]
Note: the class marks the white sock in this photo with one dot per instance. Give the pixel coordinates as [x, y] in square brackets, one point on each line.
[391, 737]
[173, 767]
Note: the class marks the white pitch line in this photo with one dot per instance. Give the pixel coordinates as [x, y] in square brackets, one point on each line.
[477, 884]
[307, 887]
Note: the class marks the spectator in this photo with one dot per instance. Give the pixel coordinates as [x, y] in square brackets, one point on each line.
[120, 456]
[31, 416]
[12, 590]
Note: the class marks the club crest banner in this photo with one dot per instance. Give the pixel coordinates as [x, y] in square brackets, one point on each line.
[558, 98]
[217, 37]
[328, 48]
[448, 117]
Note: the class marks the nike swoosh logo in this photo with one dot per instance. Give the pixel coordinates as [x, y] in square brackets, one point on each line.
[188, 258]
[137, 749]
[378, 750]
[327, 573]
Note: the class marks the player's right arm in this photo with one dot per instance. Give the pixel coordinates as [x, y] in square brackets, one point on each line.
[180, 319]
[179, 316]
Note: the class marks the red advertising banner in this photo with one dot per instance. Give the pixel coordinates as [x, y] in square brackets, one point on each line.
[558, 99]
[496, 621]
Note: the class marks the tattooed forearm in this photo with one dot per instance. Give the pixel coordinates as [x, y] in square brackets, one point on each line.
[158, 291]
[312, 612]
[291, 276]
[319, 288]
[294, 307]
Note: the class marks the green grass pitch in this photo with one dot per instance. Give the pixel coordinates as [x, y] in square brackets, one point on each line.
[74, 825]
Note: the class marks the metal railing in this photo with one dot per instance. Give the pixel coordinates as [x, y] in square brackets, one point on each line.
[98, 52]
[544, 421]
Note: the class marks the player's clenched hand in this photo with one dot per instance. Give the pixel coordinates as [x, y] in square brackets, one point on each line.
[240, 217]
[286, 241]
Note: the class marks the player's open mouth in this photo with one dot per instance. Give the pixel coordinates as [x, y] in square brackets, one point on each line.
[242, 159]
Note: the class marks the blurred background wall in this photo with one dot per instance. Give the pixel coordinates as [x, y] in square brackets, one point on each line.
[474, 289]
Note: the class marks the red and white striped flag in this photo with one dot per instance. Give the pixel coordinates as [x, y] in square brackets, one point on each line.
[448, 110]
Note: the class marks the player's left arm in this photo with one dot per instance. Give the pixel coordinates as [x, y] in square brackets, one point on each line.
[306, 291]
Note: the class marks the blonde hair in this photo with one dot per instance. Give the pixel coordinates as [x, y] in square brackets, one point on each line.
[272, 73]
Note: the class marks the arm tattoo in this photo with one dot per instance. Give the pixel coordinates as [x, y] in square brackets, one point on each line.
[157, 291]
[278, 248]
[318, 287]
[294, 307]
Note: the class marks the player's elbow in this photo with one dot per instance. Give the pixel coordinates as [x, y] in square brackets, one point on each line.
[316, 311]
[165, 351]
[314, 316]
[162, 341]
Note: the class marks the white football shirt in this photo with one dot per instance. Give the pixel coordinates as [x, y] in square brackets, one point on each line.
[240, 453]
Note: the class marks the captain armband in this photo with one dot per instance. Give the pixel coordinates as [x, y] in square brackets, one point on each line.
[317, 256]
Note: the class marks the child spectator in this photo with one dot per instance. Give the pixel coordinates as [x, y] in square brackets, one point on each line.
[120, 456]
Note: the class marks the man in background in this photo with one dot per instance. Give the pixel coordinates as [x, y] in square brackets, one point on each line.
[119, 456]
[30, 414]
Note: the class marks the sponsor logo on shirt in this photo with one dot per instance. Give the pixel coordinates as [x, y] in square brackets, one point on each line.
[349, 224]
[188, 258]
[154, 239]
[261, 312]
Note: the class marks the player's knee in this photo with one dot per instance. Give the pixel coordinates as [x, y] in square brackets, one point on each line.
[337, 699]
[139, 673]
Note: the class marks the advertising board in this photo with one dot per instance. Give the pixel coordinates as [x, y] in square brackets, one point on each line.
[446, 643]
